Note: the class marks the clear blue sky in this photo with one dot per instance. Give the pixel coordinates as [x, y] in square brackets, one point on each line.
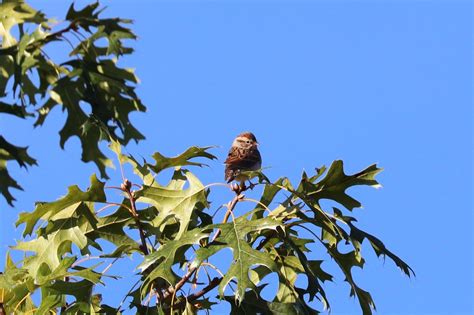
[363, 81]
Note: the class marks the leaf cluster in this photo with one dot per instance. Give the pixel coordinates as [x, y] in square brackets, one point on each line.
[185, 268]
[70, 245]
[96, 94]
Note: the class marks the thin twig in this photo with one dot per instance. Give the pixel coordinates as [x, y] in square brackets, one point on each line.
[171, 290]
[111, 204]
[114, 187]
[21, 301]
[217, 210]
[126, 187]
[86, 258]
[109, 265]
[149, 296]
[213, 267]
[217, 184]
[214, 283]
[259, 203]
[230, 208]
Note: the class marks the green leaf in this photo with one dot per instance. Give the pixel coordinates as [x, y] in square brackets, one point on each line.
[111, 29]
[94, 80]
[16, 293]
[86, 12]
[335, 183]
[6, 183]
[289, 269]
[63, 270]
[50, 298]
[346, 261]
[89, 79]
[81, 290]
[253, 303]
[45, 210]
[166, 256]
[55, 242]
[138, 168]
[7, 69]
[262, 178]
[313, 274]
[111, 229]
[183, 159]
[14, 13]
[89, 130]
[15, 110]
[10, 152]
[15, 286]
[174, 204]
[358, 236]
[234, 235]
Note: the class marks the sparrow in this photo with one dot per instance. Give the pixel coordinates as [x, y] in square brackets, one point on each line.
[243, 156]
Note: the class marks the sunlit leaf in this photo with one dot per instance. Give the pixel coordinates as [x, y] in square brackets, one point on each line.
[174, 204]
[45, 210]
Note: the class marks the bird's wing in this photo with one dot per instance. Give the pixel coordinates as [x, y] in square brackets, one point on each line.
[242, 159]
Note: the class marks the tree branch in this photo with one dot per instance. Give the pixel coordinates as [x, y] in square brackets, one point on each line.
[230, 207]
[170, 290]
[126, 187]
[214, 283]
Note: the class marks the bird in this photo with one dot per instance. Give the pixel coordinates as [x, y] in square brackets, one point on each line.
[243, 156]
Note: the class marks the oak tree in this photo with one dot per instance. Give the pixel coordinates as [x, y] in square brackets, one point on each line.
[181, 237]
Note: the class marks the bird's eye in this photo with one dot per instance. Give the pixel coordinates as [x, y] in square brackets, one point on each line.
[248, 141]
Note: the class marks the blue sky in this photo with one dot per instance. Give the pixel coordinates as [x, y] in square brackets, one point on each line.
[363, 81]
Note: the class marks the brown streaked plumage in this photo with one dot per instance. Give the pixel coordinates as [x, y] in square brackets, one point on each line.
[243, 156]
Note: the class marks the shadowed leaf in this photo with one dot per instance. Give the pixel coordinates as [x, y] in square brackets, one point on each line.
[183, 159]
[253, 303]
[234, 235]
[165, 257]
[335, 183]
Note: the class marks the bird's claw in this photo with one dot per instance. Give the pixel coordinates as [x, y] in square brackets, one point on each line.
[235, 188]
[242, 187]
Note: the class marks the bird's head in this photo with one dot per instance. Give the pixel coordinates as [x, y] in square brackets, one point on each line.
[245, 140]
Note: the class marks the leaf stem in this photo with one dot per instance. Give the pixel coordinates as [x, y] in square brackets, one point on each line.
[230, 207]
[86, 258]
